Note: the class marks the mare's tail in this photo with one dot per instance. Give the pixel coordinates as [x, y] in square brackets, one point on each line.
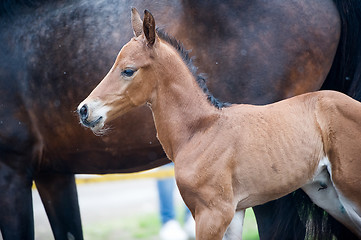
[298, 218]
[345, 76]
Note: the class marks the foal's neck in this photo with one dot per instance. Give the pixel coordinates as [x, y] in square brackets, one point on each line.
[180, 108]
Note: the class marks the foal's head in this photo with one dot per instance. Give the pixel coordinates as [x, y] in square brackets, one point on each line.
[131, 80]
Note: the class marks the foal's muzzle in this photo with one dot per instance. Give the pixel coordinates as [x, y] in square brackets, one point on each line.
[84, 114]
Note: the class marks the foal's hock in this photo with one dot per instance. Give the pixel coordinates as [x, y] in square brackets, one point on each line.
[229, 159]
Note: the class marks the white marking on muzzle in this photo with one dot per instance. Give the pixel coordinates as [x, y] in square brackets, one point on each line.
[97, 115]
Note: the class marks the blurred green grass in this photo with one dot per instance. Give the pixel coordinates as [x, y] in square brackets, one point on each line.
[146, 227]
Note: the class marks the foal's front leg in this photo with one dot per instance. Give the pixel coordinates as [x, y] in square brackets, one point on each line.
[235, 228]
[209, 197]
[212, 222]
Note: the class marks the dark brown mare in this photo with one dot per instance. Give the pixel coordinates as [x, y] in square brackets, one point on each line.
[53, 52]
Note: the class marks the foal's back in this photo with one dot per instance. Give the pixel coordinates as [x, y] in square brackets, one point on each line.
[283, 143]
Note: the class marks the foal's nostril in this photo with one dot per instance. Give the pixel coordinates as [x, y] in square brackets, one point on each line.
[83, 112]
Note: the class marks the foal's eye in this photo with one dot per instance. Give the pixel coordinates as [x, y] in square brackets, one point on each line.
[128, 72]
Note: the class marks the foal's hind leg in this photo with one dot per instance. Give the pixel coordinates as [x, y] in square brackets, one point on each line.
[59, 196]
[16, 209]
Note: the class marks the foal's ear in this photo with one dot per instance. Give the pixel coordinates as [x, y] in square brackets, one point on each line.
[137, 23]
[149, 28]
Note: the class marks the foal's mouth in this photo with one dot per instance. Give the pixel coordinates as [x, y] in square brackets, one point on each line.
[91, 124]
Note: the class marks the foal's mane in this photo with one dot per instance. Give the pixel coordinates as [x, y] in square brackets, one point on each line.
[200, 78]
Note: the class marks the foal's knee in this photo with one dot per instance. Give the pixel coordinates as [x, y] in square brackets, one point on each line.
[211, 224]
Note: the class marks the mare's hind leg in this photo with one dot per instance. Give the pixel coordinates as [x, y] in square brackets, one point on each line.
[279, 219]
[16, 209]
[59, 196]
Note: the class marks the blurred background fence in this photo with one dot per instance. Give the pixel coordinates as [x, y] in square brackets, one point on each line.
[122, 207]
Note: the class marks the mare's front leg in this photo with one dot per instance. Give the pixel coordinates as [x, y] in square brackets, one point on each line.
[59, 196]
[16, 209]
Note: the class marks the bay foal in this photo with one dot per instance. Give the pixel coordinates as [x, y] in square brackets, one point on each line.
[229, 159]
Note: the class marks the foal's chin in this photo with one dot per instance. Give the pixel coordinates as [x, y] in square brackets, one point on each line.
[98, 129]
